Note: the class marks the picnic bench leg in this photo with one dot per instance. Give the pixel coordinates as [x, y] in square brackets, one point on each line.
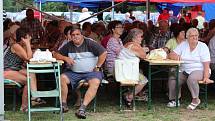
[206, 96]
[149, 87]
[94, 104]
[120, 96]
[177, 85]
[133, 92]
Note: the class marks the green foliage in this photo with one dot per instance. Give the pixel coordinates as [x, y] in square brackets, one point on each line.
[12, 6]
[55, 7]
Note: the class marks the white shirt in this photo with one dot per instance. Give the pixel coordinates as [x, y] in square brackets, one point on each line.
[201, 20]
[192, 60]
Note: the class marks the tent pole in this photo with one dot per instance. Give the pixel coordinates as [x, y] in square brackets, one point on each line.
[102, 11]
[112, 18]
[40, 10]
[147, 10]
[71, 12]
[1, 64]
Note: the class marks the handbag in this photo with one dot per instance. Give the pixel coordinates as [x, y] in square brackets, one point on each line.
[126, 70]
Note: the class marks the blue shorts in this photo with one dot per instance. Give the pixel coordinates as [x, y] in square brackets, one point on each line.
[75, 78]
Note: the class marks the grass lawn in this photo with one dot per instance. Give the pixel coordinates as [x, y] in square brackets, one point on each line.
[108, 110]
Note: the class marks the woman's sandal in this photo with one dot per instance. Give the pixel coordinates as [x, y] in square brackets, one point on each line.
[192, 106]
[37, 101]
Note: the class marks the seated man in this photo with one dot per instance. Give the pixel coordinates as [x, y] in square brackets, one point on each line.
[84, 58]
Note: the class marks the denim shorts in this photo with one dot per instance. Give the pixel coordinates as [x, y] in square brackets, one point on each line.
[75, 78]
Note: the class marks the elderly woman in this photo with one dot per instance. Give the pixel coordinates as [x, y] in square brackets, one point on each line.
[14, 58]
[195, 67]
[133, 50]
[114, 45]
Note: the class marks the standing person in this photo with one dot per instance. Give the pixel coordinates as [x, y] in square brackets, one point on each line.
[34, 25]
[196, 58]
[164, 15]
[85, 14]
[201, 20]
[172, 19]
[85, 58]
[14, 59]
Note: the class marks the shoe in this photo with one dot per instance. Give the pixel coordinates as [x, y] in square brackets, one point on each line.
[172, 104]
[192, 106]
[65, 107]
[37, 101]
[81, 114]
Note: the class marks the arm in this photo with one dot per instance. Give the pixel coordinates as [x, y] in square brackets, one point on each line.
[174, 56]
[139, 51]
[68, 60]
[101, 59]
[206, 74]
[24, 51]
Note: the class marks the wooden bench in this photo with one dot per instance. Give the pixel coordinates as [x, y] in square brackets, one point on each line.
[204, 90]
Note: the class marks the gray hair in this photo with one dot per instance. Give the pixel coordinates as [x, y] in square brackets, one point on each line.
[190, 30]
[132, 34]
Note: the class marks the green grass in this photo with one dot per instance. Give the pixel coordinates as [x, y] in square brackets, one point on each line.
[108, 110]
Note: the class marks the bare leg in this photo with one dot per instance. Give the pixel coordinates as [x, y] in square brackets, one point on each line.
[91, 91]
[33, 79]
[78, 100]
[64, 88]
[138, 88]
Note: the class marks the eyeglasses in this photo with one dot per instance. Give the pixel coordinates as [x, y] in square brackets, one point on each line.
[119, 27]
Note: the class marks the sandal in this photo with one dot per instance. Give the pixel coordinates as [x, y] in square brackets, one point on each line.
[81, 114]
[37, 101]
[192, 106]
[65, 107]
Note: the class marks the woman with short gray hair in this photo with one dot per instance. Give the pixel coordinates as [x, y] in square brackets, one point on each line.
[195, 67]
[133, 50]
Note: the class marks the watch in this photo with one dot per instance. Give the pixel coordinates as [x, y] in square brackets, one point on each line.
[98, 68]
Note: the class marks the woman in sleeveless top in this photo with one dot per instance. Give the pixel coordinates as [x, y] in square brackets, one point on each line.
[14, 59]
[133, 50]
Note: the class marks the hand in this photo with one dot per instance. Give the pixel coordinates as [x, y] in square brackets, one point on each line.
[69, 60]
[207, 81]
[146, 49]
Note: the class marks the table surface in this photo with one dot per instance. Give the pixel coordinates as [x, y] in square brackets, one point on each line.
[45, 62]
[164, 62]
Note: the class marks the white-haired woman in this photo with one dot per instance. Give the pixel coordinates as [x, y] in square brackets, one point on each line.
[133, 50]
[195, 67]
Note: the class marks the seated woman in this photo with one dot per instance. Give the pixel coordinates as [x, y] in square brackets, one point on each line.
[179, 36]
[14, 58]
[133, 50]
[195, 67]
[114, 45]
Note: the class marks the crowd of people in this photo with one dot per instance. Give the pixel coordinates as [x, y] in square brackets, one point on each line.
[87, 48]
